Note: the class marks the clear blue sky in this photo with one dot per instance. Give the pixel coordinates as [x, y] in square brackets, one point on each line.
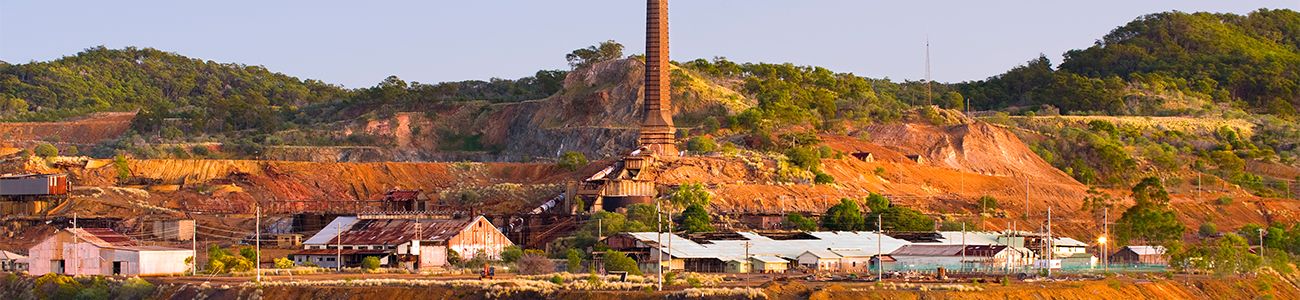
[359, 43]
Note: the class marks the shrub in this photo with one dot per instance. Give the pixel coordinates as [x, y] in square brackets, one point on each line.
[701, 144]
[45, 150]
[122, 166]
[617, 261]
[511, 254]
[572, 160]
[988, 203]
[71, 151]
[823, 178]
[694, 282]
[670, 277]
[1224, 200]
[94, 293]
[283, 263]
[134, 289]
[805, 158]
[534, 264]
[370, 263]
[880, 171]
[201, 150]
[1208, 229]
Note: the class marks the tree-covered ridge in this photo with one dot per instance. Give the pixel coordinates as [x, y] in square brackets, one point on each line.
[101, 79]
[1251, 61]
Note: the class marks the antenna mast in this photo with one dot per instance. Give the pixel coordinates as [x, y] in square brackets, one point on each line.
[928, 100]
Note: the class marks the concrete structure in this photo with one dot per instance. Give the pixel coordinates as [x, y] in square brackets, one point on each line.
[179, 230]
[821, 260]
[657, 130]
[405, 240]
[12, 262]
[100, 251]
[1140, 255]
[288, 240]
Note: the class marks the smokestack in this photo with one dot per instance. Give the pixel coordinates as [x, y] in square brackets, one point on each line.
[657, 129]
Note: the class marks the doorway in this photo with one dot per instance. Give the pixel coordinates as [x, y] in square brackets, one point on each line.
[117, 268]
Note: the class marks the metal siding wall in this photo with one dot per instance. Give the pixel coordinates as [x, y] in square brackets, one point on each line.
[26, 186]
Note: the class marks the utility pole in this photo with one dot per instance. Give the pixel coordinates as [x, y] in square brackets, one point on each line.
[258, 246]
[1050, 256]
[749, 262]
[1026, 198]
[1261, 242]
[659, 255]
[76, 254]
[963, 247]
[1105, 225]
[880, 259]
[928, 100]
[194, 246]
[338, 245]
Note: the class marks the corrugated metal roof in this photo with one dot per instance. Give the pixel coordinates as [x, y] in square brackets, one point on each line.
[150, 248]
[854, 253]
[822, 253]
[330, 231]
[760, 245]
[102, 237]
[1068, 242]
[388, 231]
[769, 259]
[928, 250]
[971, 237]
[336, 251]
[6, 255]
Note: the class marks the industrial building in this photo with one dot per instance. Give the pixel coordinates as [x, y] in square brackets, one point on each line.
[100, 251]
[414, 243]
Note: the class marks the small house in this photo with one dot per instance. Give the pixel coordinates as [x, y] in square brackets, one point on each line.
[12, 262]
[738, 265]
[288, 240]
[883, 261]
[854, 260]
[1079, 260]
[927, 256]
[821, 260]
[1140, 255]
[864, 156]
[768, 264]
[915, 158]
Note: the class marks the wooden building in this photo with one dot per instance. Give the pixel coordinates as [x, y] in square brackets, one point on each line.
[1140, 255]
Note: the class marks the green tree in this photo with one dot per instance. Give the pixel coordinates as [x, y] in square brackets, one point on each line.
[876, 202]
[845, 216]
[691, 194]
[1149, 219]
[900, 218]
[572, 160]
[575, 260]
[1207, 229]
[701, 144]
[45, 150]
[797, 220]
[696, 219]
[987, 203]
[618, 261]
[510, 254]
[585, 57]
[71, 151]
[644, 213]
[122, 166]
[804, 157]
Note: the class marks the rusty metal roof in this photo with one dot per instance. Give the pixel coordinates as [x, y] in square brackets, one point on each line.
[397, 231]
[340, 252]
[102, 237]
[928, 250]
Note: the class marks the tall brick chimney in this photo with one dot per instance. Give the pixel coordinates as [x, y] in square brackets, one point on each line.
[657, 129]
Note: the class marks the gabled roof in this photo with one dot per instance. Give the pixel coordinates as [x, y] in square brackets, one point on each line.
[821, 254]
[342, 252]
[330, 231]
[101, 237]
[392, 231]
[6, 255]
[1068, 242]
[769, 259]
[1147, 250]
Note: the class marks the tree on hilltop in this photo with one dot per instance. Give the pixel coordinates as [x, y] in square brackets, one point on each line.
[585, 57]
